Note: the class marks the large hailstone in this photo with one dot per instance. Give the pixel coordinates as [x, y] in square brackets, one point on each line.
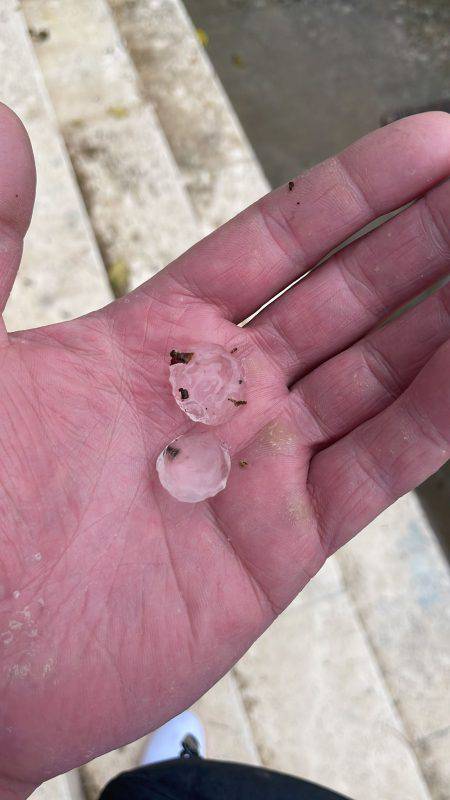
[194, 466]
[207, 383]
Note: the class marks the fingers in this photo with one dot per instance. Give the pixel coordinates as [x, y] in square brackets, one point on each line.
[359, 286]
[264, 249]
[360, 382]
[17, 186]
[357, 477]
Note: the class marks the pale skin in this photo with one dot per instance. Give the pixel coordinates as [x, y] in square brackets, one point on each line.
[119, 606]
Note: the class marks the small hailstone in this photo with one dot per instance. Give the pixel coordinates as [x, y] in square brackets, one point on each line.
[194, 466]
[207, 383]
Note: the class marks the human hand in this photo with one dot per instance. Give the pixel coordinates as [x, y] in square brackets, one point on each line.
[120, 606]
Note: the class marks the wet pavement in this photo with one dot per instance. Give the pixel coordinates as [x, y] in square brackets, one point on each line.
[307, 77]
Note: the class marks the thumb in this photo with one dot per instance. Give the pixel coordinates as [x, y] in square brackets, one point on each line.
[17, 188]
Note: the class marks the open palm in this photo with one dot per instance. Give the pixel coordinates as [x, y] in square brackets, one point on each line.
[119, 606]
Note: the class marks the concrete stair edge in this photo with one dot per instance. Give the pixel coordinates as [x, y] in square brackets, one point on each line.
[221, 171]
[111, 133]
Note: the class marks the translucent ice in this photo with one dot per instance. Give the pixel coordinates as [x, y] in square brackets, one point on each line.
[194, 466]
[207, 383]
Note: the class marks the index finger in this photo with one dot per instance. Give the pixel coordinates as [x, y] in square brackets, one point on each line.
[269, 245]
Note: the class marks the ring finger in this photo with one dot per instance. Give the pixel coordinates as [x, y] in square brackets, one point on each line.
[360, 382]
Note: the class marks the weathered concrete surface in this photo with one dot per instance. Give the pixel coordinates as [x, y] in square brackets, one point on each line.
[434, 755]
[220, 171]
[400, 584]
[229, 736]
[132, 194]
[65, 787]
[319, 709]
[306, 78]
[61, 274]
[84, 63]
[327, 583]
[131, 185]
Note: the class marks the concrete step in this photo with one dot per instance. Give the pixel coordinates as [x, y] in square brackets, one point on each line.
[396, 574]
[319, 708]
[64, 787]
[221, 173]
[62, 274]
[132, 188]
[358, 668]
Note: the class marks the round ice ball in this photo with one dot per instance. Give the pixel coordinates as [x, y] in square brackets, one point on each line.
[207, 383]
[194, 466]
